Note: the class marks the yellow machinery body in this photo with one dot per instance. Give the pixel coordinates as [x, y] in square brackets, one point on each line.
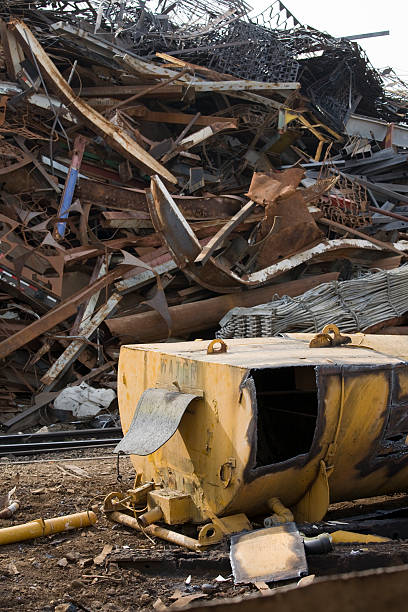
[273, 418]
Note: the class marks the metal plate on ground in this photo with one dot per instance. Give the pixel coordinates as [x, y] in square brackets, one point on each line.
[268, 555]
[157, 416]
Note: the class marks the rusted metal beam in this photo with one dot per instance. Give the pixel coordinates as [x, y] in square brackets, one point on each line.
[217, 240]
[55, 316]
[117, 138]
[130, 90]
[86, 309]
[388, 213]
[180, 118]
[243, 85]
[72, 351]
[128, 219]
[344, 228]
[192, 207]
[205, 314]
[112, 195]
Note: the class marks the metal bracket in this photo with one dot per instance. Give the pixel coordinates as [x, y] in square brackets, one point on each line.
[324, 339]
[212, 350]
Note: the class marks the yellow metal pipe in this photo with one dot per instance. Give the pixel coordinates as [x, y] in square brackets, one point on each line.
[349, 537]
[41, 527]
[149, 517]
[281, 513]
[155, 530]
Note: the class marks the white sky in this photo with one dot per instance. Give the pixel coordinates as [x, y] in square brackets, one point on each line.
[347, 17]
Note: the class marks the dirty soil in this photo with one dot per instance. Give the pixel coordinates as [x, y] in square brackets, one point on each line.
[43, 573]
[63, 573]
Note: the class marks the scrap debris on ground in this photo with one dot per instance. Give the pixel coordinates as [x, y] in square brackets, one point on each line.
[178, 170]
[105, 568]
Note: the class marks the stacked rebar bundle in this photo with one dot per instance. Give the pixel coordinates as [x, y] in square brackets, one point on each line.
[353, 305]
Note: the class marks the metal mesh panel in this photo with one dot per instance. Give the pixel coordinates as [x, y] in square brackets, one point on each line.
[259, 55]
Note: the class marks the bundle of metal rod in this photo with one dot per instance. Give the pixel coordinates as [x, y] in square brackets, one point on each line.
[354, 305]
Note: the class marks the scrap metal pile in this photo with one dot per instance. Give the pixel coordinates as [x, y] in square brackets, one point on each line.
[163, 163]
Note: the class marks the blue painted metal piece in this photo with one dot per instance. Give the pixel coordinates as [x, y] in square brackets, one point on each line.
[67, 200]
[70, 183]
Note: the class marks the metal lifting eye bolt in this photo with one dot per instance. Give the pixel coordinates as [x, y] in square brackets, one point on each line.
[213, 349]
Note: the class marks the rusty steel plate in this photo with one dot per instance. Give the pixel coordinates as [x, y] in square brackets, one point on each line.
[268, 555]
[157, 416]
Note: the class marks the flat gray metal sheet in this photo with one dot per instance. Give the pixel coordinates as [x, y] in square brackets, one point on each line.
[368, 127]
[157, 416]
[268, 555]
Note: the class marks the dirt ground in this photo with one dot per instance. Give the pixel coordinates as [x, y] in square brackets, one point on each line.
[137, 574]
[43, 573]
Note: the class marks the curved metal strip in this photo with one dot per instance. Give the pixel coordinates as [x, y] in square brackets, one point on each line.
[157, 416]
[185, 247]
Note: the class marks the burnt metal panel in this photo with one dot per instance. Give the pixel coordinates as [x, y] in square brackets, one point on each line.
[266, 555]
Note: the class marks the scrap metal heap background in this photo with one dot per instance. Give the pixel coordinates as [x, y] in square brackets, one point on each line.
[161, 163]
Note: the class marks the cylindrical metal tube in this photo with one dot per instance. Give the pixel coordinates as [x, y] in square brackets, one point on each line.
[41, 527]
[10, 509]
[281, 515]
[155, 530]
[149, 517]
[318, 545]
